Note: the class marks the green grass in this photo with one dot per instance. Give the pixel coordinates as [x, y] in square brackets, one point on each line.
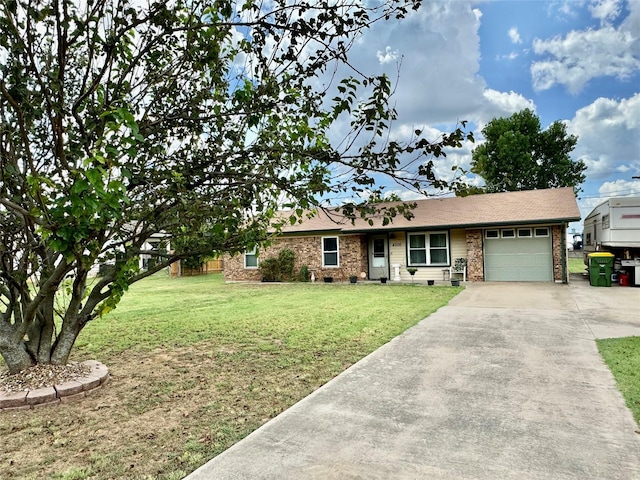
[178, 312]
[576, 265]
[622, 356]
[196, 365]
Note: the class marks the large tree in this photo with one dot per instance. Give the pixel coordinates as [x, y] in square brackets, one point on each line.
[190, 120]
[518, 155]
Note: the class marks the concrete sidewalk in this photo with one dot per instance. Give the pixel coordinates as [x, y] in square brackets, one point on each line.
[504, 382]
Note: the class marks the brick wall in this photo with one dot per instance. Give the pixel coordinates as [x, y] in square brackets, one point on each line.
[308, 251]
[556, 241]
[475, 257]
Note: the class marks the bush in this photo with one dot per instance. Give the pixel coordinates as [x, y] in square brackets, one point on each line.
[286, 258]
[270, 270]
[304, 273]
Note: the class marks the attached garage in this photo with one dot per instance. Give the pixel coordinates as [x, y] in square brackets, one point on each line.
[520, 254]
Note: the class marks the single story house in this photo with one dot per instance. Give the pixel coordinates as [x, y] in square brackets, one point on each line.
[511, 236]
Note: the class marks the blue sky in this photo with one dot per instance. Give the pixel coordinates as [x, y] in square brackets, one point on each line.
[576, 61]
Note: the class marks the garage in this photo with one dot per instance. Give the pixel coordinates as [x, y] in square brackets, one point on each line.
[520, 254]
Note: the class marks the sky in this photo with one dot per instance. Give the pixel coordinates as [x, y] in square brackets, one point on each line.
[573, 61]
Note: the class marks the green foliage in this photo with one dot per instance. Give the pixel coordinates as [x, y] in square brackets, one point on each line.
[125, 122]
[270, 270]
[518, 155]
[286, 259]
[304, 275]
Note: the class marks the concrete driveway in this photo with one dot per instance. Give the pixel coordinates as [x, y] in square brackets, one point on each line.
[504, 382]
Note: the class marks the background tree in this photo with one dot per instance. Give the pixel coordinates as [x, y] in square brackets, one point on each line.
[196, 120]
[518, 155]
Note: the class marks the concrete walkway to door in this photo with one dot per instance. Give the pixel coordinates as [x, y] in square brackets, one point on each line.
[505, 382]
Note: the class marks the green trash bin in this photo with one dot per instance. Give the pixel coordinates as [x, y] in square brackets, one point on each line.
[600, 269]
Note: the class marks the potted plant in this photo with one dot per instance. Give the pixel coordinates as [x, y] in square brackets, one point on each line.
[412, 271]
[431, 282]
[353, 278]
[383, 279]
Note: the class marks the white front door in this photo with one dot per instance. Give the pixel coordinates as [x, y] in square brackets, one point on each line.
[378, 257]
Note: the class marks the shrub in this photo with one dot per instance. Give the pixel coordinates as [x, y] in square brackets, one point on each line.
[304, 273]
[270, 270]
[286, 258]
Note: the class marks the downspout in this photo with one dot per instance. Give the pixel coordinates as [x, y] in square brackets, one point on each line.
[563, 246]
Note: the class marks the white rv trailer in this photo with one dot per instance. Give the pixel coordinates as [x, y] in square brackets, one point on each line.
[614, 226]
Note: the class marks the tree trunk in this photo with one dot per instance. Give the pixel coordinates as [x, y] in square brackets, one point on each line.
[16, 357]
[64, 343]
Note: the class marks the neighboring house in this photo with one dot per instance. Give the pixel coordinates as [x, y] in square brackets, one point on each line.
[512, 236]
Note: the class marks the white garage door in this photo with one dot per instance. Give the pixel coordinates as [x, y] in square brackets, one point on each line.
[518, 255]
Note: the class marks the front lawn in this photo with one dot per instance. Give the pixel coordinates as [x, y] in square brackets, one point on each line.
[196, 365]
[622, 356]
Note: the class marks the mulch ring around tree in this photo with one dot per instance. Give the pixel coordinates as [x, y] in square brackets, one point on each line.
[50, 384]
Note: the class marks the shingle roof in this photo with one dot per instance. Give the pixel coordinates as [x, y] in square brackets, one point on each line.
[531, 206]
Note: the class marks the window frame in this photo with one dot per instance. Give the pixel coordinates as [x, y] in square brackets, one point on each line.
[525, 229]
[541, 235]
[512, 230]
[251, 253]
[336, 251]
[493, 230]
[428, 248]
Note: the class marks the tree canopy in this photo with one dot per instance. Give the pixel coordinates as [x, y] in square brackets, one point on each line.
[195, 121]
[518, 155]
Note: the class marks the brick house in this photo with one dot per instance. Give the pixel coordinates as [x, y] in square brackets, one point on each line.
[512, 236]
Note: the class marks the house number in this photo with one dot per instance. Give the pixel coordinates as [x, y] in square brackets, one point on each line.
[396, 244]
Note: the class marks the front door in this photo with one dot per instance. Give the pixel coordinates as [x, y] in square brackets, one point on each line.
[378, 257]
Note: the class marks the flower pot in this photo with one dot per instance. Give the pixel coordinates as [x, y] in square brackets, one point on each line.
[353, 279]
[455, 283]
[430, 282]
[383, 279]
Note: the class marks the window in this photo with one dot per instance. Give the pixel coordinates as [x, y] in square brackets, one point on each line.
[588, 239]
[428, 249]
[605, 221]
[330, 252]
[491, 234]
[508, 233]
[251, 259]
[524, 232]
[542, 232]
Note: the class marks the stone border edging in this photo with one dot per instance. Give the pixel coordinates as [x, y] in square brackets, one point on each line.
[61, 393]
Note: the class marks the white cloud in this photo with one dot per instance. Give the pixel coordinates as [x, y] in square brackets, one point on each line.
[387, 56]
[605, 10]
[501, 104]
[514, 35]
[440, 49]
[620, 188]
[608, 136]
[580, 56]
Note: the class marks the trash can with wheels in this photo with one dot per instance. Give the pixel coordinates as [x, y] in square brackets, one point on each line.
[600, 269]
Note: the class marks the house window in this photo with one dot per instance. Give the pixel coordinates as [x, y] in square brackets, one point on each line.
[524, 232]
[542, 232]
[508, 233]
[588, 239]
[605, 221]
[492, 234]
[428, 249]
[251, 259]
[330, 252]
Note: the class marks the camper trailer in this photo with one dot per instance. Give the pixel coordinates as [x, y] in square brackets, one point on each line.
[614, 226]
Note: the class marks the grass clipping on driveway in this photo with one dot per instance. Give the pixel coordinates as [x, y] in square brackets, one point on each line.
[196, 365]
[622, 356]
